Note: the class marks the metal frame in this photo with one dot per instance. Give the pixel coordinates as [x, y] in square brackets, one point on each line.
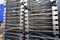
[24, 27]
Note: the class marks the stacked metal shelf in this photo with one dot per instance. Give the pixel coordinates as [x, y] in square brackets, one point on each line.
[12, 20]
[40, 20]
[31, 20]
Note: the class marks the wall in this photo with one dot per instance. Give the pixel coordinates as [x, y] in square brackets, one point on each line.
[1, 9]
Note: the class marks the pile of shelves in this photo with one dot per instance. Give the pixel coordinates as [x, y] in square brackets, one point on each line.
[30, 20]
[12, 20]
[40, 21]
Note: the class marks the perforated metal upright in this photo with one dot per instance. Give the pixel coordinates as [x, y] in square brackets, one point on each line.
[55, 20]
[4, 16]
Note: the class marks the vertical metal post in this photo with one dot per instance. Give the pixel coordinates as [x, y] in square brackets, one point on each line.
[4, 17]
[22, 17]
[55, 21]
[21, 24]
[26, 18]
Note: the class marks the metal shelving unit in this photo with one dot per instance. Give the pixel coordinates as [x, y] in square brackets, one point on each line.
[31, 20]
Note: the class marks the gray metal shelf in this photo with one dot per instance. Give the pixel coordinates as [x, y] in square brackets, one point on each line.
[35, 24]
